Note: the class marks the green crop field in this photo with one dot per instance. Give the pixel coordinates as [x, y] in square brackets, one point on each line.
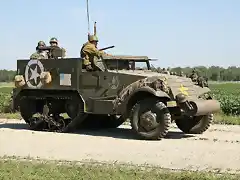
[229, 96]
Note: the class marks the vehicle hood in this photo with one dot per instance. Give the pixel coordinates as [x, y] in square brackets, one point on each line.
[177, 84]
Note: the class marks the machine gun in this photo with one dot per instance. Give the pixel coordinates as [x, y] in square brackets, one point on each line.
[109, 47]
[54, 52]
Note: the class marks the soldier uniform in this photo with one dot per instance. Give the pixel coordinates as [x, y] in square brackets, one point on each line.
[90, 53]
[194, 75]
[54, 42]
[182, 74]
[39, 54]
[164, 71]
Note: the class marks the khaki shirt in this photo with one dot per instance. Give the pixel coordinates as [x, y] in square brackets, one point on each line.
[90, 53]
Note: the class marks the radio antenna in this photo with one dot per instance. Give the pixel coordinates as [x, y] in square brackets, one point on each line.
[88, 21]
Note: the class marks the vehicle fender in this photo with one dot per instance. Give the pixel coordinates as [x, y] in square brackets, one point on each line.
[151, 91]
[138, 94]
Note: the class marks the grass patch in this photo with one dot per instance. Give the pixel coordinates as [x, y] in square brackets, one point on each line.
[7, 84]
[13, 169]
[221, 118]
[6, 89]
[10, 116]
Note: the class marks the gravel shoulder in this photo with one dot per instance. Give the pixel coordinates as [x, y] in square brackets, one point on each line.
[218, 149]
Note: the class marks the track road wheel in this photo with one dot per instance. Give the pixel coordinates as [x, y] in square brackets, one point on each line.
[150, 119]
[194, 125]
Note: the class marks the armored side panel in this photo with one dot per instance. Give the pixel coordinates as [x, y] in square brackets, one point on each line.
[40, 79]
[100, 89]
[64, 73]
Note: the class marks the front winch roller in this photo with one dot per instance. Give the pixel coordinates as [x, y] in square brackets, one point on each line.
[196, 115]
[197, 107]
[203, 107]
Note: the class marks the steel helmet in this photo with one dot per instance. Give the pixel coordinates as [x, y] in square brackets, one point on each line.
[93, 38]
[41, 43]
[53, 40]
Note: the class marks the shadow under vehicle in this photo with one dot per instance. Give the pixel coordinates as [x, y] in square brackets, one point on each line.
[119, 91]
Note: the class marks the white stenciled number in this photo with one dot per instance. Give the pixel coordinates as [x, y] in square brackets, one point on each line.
[34, 76]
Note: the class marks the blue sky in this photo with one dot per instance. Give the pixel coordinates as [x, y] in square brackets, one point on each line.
[177, 32]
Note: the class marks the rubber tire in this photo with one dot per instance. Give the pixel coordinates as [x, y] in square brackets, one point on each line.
[162, 130]
[194, 125]
[94, 121]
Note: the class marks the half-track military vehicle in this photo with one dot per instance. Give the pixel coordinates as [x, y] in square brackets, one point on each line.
[120, 91]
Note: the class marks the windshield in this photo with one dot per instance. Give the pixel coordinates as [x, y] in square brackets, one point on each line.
[127, 64]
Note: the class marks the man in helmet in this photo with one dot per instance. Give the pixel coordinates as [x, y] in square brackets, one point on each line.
[165, 71]
[194, 75]
[90, 54]
[54, 42]
[40, 54]
[182, 74]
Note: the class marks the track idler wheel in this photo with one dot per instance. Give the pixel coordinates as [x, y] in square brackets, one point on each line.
[56, 123]
[37, 124]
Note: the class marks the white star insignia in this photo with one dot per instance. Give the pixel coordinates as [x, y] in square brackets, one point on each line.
[34, 74]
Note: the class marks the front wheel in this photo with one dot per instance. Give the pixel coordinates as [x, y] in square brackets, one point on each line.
[150, 119]
[195, 124]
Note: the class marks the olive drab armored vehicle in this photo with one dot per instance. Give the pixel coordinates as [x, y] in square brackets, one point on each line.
[124, 88]
[45, 89]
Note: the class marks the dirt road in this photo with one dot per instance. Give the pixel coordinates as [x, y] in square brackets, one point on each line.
[217, 149]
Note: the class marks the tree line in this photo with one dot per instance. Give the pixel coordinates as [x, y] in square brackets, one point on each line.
[7, 75]
[213, 73]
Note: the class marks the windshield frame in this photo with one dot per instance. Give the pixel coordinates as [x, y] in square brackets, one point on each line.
[118, 62]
